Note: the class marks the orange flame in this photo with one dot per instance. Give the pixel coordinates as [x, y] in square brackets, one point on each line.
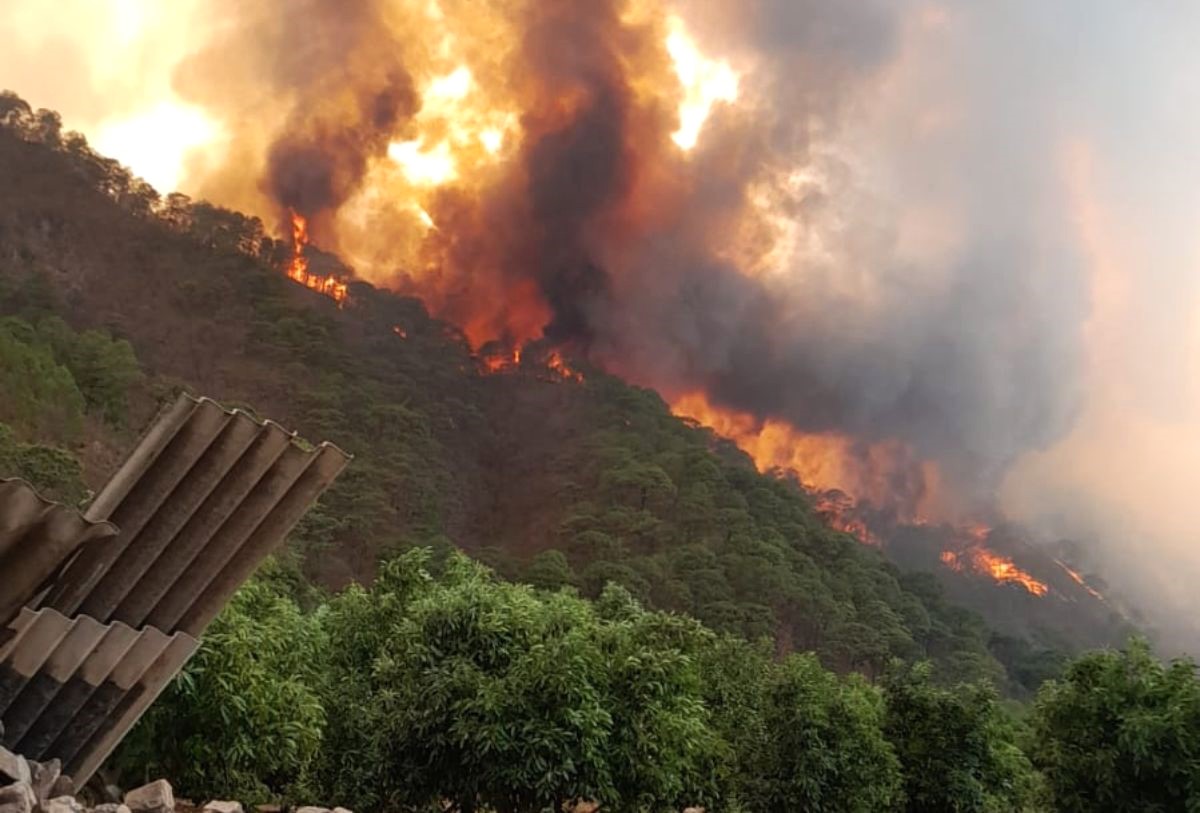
[493, 360]
[558, 365]
[978, 559]
[838, 511]
[1078, 579]
[297, 268]
[885, 474]
[501, 361]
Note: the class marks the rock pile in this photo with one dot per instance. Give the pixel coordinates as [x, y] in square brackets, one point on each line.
[41, 787]
[26, 787]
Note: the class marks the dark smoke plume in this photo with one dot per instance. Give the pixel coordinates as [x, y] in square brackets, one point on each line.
[637, 253]
[339, 72]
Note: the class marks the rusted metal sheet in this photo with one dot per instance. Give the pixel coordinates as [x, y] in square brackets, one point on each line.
[36, 538]
[99, 611]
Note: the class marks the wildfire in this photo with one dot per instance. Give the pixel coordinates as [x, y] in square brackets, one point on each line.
[461, 131]
[558, 364]
[839, 510]
[501, 360]
[1078, 579]
[978, 559]
[494, 359]
[440, 200]
[705, 83]
[841, 473]
[884, 474]
[297, 268]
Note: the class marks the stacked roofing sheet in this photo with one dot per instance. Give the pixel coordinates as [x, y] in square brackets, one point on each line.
[36, 538]
[98, 612]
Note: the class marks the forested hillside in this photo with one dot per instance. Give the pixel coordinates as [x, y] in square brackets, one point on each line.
[548, 479]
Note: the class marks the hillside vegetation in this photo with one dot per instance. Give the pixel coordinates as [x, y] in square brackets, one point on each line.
[644, 620]
[547, 480]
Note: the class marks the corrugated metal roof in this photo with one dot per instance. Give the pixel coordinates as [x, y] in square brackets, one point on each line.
[205, 496]
[36, 538]
[72, 687]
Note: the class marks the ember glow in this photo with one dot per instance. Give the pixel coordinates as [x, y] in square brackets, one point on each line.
[841, 512]
[885, 475]
[978, 559]
[495, 359]
[561, 368]
[500, 360]
[297, 267]
[1079, 580]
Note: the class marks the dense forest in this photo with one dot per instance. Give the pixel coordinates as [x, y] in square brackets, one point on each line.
[644, 620]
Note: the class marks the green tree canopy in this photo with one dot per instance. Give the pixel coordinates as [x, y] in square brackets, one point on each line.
[1120, 731]
[243, 719]
[486, 693]
[956, 748]
[824, 746]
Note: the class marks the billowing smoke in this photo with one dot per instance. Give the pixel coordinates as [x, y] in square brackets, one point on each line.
[337, 70]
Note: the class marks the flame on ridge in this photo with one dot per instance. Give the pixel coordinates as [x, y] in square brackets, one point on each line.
[297, 268]
[842, 474]
[1079, 580]
[978, 559]
[494, 359]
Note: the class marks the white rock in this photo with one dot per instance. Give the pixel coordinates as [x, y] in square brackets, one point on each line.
[110, 807]
[17, 798]
[153, 798]
[14, 766]
[342, 810]
[217, 806]
[45, 774]
[62, 804]
[311, 809]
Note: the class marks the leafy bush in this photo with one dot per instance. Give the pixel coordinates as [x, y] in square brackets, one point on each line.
[1120, 731]
[956, 748]
[104, 368]
[55, 473]
[243, 720]
[489, 694]
[825, 748]
[38, 396]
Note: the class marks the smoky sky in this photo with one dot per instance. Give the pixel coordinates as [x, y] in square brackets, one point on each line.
[333, 71]
[972, 368]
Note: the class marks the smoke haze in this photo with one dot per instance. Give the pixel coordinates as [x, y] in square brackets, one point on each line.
[961, 228]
